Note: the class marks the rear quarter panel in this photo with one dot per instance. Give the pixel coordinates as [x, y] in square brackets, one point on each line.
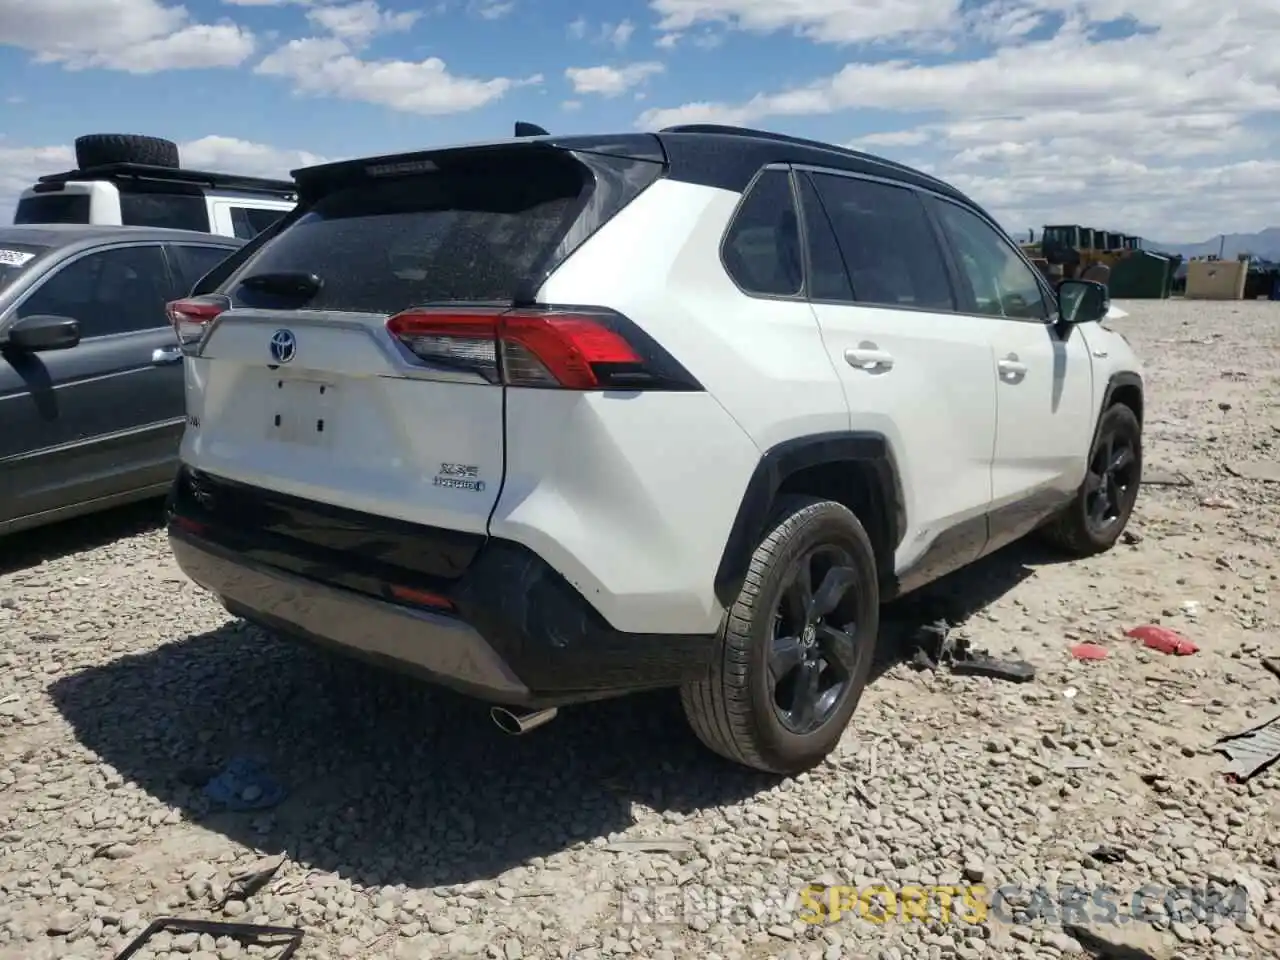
[631, 496]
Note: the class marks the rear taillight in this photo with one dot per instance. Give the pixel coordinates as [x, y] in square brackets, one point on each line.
[192, 316]
[567, 349]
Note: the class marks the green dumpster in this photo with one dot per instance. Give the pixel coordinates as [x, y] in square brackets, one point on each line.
[1141, 276]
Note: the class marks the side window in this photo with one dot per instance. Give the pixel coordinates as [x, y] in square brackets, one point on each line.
[762, 247]
[828, 279]
[889, 246]
[1003, 285]
[176, 211]
[191, 262]
[248, 222]
[111, 291]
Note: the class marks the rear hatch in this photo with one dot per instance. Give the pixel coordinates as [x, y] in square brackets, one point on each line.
[354, 358]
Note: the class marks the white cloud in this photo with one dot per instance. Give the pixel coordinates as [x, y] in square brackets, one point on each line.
[231, 155]
[137, 36]
[1159, 130]
[492, 9]
[891, 138]
[611, 81]
[836, 21]
[327, 67]
[571, 106]
[359, 22]
[21, 166]
[617, 35]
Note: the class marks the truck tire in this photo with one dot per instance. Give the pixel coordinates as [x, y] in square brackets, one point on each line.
[97, 149]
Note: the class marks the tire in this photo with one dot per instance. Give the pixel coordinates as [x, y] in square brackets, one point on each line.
[734, 711]
[1076, 530]
[97, 149]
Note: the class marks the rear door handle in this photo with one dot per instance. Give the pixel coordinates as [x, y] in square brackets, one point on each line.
[166, 355]
[1011, 368]
[868, 358]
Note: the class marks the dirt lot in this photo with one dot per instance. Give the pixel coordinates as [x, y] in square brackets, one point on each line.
[413, 828]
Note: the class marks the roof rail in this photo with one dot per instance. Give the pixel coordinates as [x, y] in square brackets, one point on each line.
[727, 130]
[146, 171]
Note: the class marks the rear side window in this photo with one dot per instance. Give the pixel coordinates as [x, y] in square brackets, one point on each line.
[53, 208]
[176, 211]
[828, 279]
[762, 247]
[889, 247]
[248, 222]
[469, 232]
[191, 262]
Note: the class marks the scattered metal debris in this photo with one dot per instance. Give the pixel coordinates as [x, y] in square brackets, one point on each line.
[862, 796]
[286, 940]
[1251, 751]
[1162, 639]
[657, 845]
[1164, 478]
[1219, 503]
[936, 644]
[1268, 471]
[1107, 854]
[248, 882]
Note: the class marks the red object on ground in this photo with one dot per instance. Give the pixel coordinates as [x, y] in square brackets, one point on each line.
[1163, 639]
[1088, 651]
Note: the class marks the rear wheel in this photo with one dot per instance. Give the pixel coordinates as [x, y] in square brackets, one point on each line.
[797, 645]
[1100, 511]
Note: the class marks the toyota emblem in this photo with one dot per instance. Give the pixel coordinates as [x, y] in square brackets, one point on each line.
[283, 346]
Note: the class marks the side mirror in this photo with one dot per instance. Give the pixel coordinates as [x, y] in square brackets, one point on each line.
[1082, 301]
[43, 332]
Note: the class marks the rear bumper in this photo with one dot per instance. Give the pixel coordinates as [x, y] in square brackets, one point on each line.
[517, 634]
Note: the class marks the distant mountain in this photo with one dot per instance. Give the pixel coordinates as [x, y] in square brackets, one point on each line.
[1265, 244]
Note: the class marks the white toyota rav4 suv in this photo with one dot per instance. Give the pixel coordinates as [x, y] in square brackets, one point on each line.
[555, 419]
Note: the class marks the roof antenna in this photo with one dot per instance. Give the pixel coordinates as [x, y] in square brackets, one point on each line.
[529, 130]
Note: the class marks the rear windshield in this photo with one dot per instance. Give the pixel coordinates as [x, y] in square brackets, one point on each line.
[473, 234]
[53, 208]
[15, 258]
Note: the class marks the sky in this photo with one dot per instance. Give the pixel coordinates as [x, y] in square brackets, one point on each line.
[1155, 118]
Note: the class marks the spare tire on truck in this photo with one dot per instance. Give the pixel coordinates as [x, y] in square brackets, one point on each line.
[97, 149]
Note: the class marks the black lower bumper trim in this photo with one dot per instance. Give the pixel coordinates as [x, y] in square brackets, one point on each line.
[441, 648]
[522, 636]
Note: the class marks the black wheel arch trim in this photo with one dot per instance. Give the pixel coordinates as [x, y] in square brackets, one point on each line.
[864, 450]
[1125, 378]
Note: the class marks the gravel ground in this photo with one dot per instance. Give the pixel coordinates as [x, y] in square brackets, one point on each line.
[413, 828]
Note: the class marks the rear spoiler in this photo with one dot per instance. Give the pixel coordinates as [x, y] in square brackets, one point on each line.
[318, 180]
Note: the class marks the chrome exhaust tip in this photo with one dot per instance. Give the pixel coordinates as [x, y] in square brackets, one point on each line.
[516, 723]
